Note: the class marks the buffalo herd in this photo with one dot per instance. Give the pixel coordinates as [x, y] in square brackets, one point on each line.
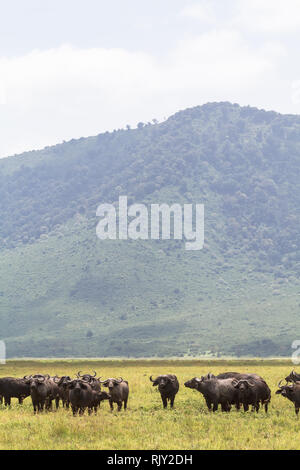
[84, 391]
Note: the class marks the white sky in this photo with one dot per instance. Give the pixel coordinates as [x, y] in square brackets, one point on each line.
[73, 68]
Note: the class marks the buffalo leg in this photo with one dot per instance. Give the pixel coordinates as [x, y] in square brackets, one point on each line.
[225, 407]
[119, 405]
[215, 407]
[297, 410]
[125, 404]
[266, 407]
[208, 403]
[111, 405]
[57, 402]
[172, 402]
[165, 402]
[7, 401]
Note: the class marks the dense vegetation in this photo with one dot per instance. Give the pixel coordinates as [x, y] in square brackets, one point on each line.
[146, 425]
[63, 292]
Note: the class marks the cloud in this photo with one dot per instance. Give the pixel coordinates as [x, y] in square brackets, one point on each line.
[68, 92]
[268, 16]
[201, 11]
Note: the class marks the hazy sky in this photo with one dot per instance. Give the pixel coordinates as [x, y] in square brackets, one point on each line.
[73, 68]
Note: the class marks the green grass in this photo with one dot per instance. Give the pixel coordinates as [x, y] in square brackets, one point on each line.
[146, 425]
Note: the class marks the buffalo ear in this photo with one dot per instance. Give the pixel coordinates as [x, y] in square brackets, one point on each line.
[235, 383]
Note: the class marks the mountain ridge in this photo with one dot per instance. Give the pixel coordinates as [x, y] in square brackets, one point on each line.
[64, 292]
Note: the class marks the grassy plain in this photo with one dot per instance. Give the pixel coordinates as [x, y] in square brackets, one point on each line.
[146, 425]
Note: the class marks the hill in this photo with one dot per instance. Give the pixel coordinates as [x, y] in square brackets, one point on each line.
[64, 292]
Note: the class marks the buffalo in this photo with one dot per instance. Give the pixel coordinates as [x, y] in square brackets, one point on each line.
[97, 398]
[118, 391]
[40, 391]
[11, 387]
[253, 392]
[293, 377]
[168, 387]
[216, 392]
[82, 396]
[237, 376]
[63, 391]
[91, 379]
[292, 393]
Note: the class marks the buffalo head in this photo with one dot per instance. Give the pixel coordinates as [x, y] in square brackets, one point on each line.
[194, 383]
[285, 390]
[111, 382]
[293, 377]
[243, 385]
[162, 381]
[86, 377]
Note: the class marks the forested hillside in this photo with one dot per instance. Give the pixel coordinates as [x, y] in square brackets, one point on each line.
[64, 292]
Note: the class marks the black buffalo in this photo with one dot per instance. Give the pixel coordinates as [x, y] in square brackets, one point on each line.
[40, 391]
[63, 390]
[118, 390]
[237, 376]
[83, 397]
[253, 392]
[11, 387]
[91, 379]
[216, 392]
[293, 377]
[292, 393]
[168, 387]
[97, 398]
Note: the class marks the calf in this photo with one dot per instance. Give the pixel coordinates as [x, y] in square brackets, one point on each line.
[118, 390]
[97, 398]
[168, 387]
